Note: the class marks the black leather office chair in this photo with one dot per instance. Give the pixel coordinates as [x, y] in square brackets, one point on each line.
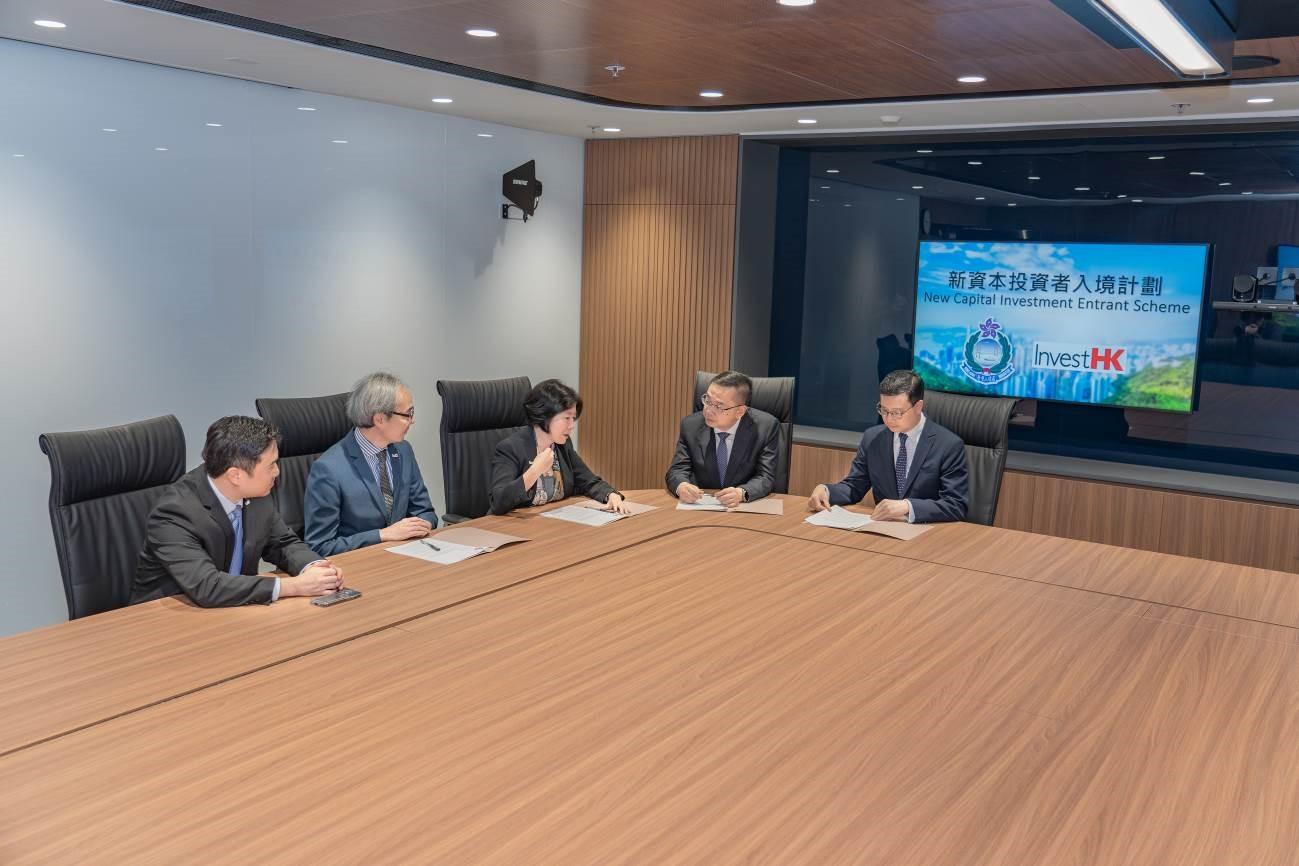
[983, 423]
[774, 395]
[308, 425]
[103, 484]
[475, 417]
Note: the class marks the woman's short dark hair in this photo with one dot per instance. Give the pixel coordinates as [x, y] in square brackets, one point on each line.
[237, 440]
[547, 399]
[903, 382]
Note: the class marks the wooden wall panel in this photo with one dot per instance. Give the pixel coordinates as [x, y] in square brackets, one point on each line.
[1168, 521]
[657, 268]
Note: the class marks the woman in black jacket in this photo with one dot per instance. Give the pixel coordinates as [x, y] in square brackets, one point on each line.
[539, 464]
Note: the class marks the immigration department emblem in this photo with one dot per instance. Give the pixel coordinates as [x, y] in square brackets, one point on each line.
[988, 355]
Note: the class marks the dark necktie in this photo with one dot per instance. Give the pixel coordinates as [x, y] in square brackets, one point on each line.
[723, 457]
[385, 483]
[237, 524]
[900, 466]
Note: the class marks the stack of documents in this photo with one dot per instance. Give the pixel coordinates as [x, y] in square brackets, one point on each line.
[591, 513]
[455, 545]
[841, 518]
[709, 502]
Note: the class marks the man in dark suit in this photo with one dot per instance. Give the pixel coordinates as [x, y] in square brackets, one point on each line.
[916, 468]
[367, 487]
[727, 447]
[209, 530]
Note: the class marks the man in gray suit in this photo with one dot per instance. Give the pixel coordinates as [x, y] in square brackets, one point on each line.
[728, 447]
[209, 530]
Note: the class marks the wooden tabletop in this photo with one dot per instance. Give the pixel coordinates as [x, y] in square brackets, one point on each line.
[678, 688]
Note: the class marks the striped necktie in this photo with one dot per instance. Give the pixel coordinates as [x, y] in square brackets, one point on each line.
[237, 524]
[723, 457]
[385, 483]
[900, 465]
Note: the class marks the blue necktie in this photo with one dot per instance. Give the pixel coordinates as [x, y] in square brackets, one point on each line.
[237, 559]
[723, 457]
[900, 466]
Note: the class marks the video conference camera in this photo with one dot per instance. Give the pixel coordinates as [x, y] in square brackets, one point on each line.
[522, 189]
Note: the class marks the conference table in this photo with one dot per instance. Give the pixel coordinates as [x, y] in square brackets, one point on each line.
[678, 687]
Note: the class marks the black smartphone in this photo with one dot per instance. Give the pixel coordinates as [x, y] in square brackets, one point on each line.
[341, 594]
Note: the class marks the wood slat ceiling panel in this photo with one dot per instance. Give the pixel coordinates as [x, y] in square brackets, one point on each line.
[756, 51]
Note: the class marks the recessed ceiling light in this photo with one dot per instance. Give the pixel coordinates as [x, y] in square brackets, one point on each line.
[1196, 173]
[825, 187]
[923, 150]
[19, 155]
[481, 32]
[1034, 177]
[917, 187]
[214, 125]
[1247, 193]
[796, 2]
[972, 79]
[1082, 189]
[1225, 183]
[980, 197]
[847, 205]
[443, 100]
[711, 94]
[613, 129]
[1154, 157]
[1122, 195]
[108, 129]
[832, 171]
[900, 198]
[305, 108]
[807, 121]
[484, 135]
[1137, 200]
[160, 149]
[338, 141]
[1260, 100]
[46, 22]
[974, 162]
[1011, 204]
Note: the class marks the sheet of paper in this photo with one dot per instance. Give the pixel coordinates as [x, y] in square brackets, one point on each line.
[839, 518]
[473, 537]
[896, 529]
[769, 505]
[634, 507]
[447, 554]
[583, 515]
[707, 502]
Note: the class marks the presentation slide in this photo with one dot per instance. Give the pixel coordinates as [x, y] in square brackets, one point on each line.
[1110, 324]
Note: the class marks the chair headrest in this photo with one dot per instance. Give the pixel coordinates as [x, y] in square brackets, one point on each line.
[486, 404]
[979, 421]
[309, 425]
[772, 394]
[91, 464]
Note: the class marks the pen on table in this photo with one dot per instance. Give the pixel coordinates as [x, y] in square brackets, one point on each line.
[431, 544]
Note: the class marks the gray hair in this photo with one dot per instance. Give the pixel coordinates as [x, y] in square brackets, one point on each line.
[376, 393]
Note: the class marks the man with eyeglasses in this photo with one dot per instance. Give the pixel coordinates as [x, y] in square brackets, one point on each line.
[728, 446]
[367, 487]
[915, 467]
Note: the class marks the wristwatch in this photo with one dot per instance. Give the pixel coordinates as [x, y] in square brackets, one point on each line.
[744, 494]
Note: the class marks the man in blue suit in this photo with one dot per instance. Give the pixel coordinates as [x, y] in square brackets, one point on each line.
[367, 487]
[916, 468]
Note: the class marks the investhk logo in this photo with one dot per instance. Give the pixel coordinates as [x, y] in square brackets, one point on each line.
[1071, 356]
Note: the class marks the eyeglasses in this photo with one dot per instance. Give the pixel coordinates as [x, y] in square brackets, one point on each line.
[895, 414]
[710, 403]
[409, 416]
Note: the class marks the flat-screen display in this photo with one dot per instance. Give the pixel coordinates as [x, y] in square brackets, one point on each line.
[1107, 324]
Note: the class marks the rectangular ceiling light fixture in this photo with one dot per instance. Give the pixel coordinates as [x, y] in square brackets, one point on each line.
[1191, 37]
